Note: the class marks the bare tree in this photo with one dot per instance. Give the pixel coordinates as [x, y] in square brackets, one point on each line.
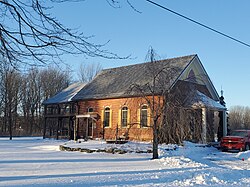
[155, 92]
[30, 97]
[2, 64]
[239, 117]
[36, 86]
[88, 71]
[52, 81]
[247, 118]
[172, 122]
[10, 85]
[29, 34]
[179, 123]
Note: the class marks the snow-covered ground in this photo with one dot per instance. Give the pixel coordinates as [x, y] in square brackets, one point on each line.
[38, 162]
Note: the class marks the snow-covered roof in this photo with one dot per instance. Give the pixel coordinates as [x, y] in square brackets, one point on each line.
[200, 100]
[65, 95]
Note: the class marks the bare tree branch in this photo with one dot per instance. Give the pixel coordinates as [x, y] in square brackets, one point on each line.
[88, 71]
[30, 35]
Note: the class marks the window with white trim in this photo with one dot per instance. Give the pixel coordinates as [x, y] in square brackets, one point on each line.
[107, 117]
[124, 116]
[144, 116]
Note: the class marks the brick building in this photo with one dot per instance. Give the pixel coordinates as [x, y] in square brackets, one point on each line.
[110, 107]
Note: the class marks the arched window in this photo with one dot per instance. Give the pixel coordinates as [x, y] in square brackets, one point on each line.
[67, 109]
[106, 117]
[124, 116]
[144, 116]
[191, 76]
[90, 109]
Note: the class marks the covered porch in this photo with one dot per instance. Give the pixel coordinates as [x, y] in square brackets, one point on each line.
[85, 126]
[213, 116]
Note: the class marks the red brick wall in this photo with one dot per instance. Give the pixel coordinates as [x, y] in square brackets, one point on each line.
[133, 130]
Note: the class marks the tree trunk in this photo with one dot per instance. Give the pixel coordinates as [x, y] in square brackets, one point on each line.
[31, 124]
[155, 141]
[57, 129]
[44, 128]
[10, 122]
[75, 130]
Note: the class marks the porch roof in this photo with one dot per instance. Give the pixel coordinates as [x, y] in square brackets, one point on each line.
[65, 95]
[200, 100]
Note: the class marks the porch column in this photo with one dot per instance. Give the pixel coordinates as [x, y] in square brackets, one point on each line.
[224, 123]
[69, 130]
[44, 127]
[87, 129]
[57, 128]
[45, 122]
[75, 129]
[204, 125]
[92, 133]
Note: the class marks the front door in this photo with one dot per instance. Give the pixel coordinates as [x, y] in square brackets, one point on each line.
[90, 127]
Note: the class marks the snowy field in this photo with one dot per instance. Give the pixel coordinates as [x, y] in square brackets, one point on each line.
[38, 162]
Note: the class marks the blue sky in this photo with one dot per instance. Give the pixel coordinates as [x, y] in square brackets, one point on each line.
[132, 33]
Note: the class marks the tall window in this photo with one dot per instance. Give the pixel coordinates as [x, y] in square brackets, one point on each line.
[124, 116]
[144, 116]
[106, 117]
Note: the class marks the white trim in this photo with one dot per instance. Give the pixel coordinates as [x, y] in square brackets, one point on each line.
[210, 85]
[209, 80]
[93, 116]
[178, 78]
[204, 125]
[83, 116]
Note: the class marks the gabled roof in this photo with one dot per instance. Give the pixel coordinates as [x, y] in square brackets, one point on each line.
[201, 76]
[115, 82]
[65, 95]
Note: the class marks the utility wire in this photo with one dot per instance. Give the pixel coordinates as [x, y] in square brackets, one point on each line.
[198, 23]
